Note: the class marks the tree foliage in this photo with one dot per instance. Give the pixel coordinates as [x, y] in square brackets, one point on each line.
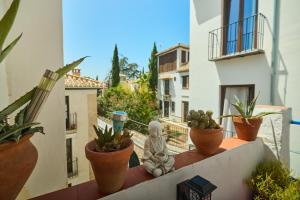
[153, 72]
[129, 69]
[139, 103]
[115, 71]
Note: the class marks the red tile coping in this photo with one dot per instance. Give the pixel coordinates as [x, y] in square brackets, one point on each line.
[136, 175]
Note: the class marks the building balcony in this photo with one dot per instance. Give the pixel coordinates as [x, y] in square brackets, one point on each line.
[71, 123]
[238, 39]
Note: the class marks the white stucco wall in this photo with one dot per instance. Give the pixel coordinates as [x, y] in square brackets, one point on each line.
[40, 47]
[235, 165]
[207, 76]
[78, 103]
[178, 94]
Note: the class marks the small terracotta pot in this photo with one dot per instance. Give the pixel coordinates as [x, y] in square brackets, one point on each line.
[109, 168]
[246, 130]
[207, 141]
[17, 161]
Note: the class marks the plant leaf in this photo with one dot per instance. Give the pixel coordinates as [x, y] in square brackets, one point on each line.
[6, 51]
[16, 129]
[252, 106]
[7, 21]
[262, 114]
[16, 104]
[239, 109]
[64, 70]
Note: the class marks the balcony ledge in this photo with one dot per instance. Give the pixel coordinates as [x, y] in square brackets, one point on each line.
[135, 176]
[238, 55]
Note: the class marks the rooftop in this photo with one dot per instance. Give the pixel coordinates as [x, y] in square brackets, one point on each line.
[179, 45]
[74, 81]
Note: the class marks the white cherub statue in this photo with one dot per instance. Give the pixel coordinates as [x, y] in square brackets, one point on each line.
[156, 158]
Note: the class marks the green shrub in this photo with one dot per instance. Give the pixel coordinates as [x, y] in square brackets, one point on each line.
[139, 104]
[271, 180]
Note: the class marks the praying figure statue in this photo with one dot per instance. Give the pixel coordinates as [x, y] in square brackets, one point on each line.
[156, 158]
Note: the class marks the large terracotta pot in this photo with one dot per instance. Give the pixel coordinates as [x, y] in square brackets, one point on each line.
[246, 130]
[207, 141]
[109, 168]
[17, 161]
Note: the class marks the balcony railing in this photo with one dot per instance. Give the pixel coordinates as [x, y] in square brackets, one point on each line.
[71, 122]
[237, 39]
[72, 167]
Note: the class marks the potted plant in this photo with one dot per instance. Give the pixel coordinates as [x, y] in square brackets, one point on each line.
[18, 155]
[205, 133]
[109, 155]
[246, 124]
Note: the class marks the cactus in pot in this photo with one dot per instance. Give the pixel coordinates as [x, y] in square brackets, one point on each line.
[205, 133]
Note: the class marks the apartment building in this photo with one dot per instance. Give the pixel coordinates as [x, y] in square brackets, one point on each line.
[173, 82]
[80, 116]
[244, 48]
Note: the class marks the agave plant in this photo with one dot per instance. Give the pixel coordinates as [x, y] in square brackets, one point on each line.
[108, 141]
[32, 101]
[246, 110]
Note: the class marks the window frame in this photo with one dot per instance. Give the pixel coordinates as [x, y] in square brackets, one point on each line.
[186, 80]
[225, 16]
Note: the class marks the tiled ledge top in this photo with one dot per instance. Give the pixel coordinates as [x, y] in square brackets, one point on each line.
[136, 175]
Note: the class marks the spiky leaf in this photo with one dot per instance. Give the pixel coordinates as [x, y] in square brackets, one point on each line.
[16, 104]
[7, 21]
[64, 70]
[6, 51]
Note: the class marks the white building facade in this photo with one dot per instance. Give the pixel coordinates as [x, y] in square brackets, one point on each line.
[245, 48]
[173, 82]
[80, 116]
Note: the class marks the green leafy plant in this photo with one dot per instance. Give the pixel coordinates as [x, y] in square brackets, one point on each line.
[31, 102]
[202, 120]
[246, 110]
[272, 181]
[108, 141]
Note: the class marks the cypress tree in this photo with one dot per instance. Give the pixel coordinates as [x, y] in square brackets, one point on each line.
[153, 73]
[115, 71]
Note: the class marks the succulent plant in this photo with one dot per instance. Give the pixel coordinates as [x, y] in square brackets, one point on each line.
[202, 120]
[246, 109]
[108, 141]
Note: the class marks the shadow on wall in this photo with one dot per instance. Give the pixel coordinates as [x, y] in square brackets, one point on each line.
[280, 72]
[247, 70]
[206, 10]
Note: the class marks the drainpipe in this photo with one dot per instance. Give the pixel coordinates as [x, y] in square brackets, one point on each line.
[274, 62]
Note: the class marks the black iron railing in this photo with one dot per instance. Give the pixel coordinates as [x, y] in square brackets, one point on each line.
[72, 168]
[71, 122]
[240, 37]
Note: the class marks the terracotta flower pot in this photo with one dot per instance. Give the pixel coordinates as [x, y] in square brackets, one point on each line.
[207, 141]
[17, 161]
[246, 130]
[109, 168]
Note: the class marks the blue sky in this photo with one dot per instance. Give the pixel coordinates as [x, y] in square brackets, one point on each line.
[93, 27]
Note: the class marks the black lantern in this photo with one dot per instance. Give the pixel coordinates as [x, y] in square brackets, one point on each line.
[196, 188]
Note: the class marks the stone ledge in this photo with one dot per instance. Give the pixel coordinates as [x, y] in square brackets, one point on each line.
[135, 176]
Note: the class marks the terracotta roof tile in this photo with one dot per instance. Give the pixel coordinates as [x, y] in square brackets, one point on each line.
[73, 81]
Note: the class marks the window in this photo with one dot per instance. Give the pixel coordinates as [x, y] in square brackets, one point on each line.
[227, 96]
[185, 110]
[167, 87]
[67, 111]
[160, 105]
[69, 157]
[183, 57]
[166, 108]
[240, 25]
[173, 106]
[185, 82]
